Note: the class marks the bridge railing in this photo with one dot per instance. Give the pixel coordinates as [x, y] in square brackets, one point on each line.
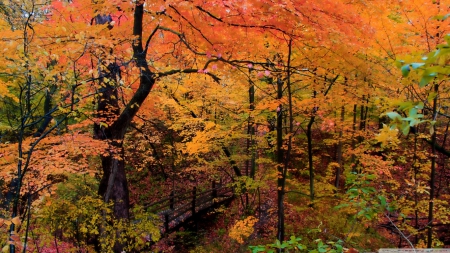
[178, 207]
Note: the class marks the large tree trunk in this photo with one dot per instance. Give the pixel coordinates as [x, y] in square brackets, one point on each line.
[113, 185]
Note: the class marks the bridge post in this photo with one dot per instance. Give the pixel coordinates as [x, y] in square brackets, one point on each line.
[194, 191]
[171, 200]
[214, 190]
[166, 223]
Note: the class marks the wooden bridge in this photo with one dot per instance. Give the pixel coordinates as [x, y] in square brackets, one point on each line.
[178, 209]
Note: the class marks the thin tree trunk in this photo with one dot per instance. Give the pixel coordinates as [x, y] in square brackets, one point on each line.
[433, 173]
[252, 126]
[416, 199]
[310, 154]
[283, 168]
[361, 116]
[248, 162]
[366, 113]
[339, 150]
[280, 159]
[309, 140]
[442, 174]
[353, 138]
[47, 118]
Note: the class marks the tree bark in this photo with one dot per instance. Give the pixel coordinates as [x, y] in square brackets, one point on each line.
[310, 155]
[280, 160]
[339, 150]
[251, 132]
[113, 185]
[433, 174]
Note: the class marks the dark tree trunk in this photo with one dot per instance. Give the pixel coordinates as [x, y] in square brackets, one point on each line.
[353, 138]
[251, 131]
[47, 118]
[362, 120]
[340, 168]
[280, 160]
[433, 174]
[113, 185]
[310, 155]
[282, 154]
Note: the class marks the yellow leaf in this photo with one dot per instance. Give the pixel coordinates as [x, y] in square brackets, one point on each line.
[388, 136]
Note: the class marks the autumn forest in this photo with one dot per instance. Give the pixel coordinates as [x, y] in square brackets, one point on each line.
[224, 126]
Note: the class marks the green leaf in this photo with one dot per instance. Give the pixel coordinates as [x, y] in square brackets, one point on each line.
[405, 105]
[393, 115]
[399, 63]
[413, 112]
[434, 70]
[436, 54]
[419, 105]
[278, 243]
[371, 177]
[382, 201]
[405, 128]
[301, 246]
[341, 206]
[294, 239]
[256, 249]
[366, 190]
[417, 65]
[322, 249]
[405, 70]
[414, 122]
[441, 17]
[431, 96]
[425, 80]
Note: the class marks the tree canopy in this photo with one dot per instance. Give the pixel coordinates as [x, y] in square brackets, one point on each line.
[326, 120]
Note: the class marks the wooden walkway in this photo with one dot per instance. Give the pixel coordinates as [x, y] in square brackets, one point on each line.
[178, 209]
